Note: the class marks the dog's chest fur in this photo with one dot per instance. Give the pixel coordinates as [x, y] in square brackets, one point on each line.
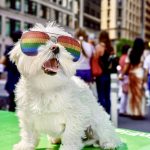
[45, 109]
[52, 124]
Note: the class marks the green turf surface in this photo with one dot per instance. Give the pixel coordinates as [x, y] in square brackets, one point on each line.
[9, 135]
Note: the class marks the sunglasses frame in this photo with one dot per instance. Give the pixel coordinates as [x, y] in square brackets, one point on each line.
[31, 43]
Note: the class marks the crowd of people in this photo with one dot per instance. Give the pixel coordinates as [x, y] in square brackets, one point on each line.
[133, 76]
[133, 69]
[102, 50]
[133, 73]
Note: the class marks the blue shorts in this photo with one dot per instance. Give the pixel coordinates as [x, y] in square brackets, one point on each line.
[85, 75]
[149, 82]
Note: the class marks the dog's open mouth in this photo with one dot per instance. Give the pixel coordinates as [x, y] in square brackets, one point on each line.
[51, 66]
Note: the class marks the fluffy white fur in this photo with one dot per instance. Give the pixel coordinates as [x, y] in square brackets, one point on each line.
[58, 105]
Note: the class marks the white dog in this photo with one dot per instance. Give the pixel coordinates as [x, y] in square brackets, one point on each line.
[51, 100]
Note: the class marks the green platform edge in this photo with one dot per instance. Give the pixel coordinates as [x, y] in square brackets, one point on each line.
[9, 135]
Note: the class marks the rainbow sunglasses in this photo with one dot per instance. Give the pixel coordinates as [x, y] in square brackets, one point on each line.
[32, 40]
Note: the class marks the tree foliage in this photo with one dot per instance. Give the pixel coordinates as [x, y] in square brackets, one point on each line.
[121, 43]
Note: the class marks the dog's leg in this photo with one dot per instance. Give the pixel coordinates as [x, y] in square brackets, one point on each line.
[75, 127]
[104, 129]
[29, 137]
[71, 139]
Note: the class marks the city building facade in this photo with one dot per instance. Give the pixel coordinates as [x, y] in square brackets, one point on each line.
[23, 14]
[146, 20]
[89, 16]
[122, 18]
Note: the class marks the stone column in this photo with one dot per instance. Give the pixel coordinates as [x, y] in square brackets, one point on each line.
[81, 13]
[73, 16]
[3, 33]
[22, 25]
[38, 10]
[2, 3]
[22, 6]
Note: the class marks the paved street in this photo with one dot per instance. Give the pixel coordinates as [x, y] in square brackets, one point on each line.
[140, 125]
[123, 122]
[2, 91]
[3, 95]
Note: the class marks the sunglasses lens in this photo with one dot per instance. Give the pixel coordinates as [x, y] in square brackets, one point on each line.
[31, 41]
[71, 45]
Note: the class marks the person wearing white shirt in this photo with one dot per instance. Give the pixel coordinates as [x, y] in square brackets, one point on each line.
[84, 68]
[147, 71]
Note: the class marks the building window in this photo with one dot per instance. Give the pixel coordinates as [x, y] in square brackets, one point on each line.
[43, 11]
[18, 5]
[130, 17]
[60, 2]
[119, 34]
[70, 4]
[108, 2]
[131, 5]
[8, 3]
[87, 9]
[14, 4]
[64, 3]
[119, 13]
[92, 12]
[11, 26]
[67, 20]
[0, 24]
[119, 23]
[91, 24]
[17, 25]
[60, 18]
[30, 7]
[108, 13]
[98, 14]
[56, 15]
[108, 24]
[27, 25]
[1, 50]
[120, 3]
[64, 19]
[8, 27]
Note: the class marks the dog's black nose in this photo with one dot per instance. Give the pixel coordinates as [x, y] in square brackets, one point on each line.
[55, 49]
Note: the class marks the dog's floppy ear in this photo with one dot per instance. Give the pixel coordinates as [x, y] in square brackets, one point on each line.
[15, 53]
[71, 45]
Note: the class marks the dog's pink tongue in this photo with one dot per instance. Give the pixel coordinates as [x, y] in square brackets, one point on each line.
[47, 64]
[51, 64]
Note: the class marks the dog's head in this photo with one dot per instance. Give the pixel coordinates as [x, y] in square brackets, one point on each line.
[46, 50]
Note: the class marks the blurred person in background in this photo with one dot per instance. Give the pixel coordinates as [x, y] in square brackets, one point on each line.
[93, 84]
[146, 62]
[12, 71]
[134, 69]
[92, 42]
[84, 69]
[1, 70]
[147, 74]
[123, 83]
[104, 50]
[146, 50]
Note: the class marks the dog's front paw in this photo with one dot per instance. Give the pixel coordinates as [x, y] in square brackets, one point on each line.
[70, 147]
[108, 145]
[23, 146]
